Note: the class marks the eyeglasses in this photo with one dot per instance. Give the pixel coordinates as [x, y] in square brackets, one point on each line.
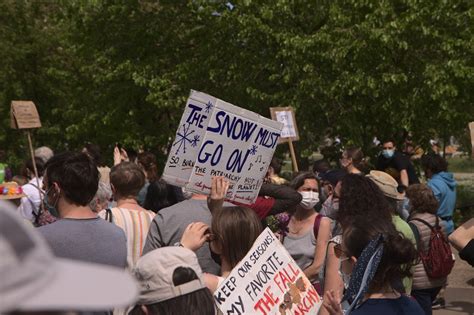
[340, 253]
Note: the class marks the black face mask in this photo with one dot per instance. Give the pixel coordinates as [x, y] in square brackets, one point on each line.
[214, 256]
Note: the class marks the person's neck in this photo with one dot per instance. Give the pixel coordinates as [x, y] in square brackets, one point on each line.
[199, 197]
[226, 268]
[128, 203]
[71, 211]
[387, 293]
[302, 214]
[351, 169]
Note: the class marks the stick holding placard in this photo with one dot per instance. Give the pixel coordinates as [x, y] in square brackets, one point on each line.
[293, 156]
[23, 115]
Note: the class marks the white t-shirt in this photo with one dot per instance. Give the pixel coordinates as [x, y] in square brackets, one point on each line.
[32, 200]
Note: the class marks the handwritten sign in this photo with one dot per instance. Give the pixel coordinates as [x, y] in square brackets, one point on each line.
[267, 281]
[286, 115]
[23, 115]
[216, 138]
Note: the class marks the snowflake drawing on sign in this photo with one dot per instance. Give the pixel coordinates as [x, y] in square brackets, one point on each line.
[184, 137]
[209, 107]
[253, 150]
[195, 141]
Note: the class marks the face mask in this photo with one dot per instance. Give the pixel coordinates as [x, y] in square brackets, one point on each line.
[323, 196]
[388, 153]
[51, 207]
[346, 278]
[310, 199]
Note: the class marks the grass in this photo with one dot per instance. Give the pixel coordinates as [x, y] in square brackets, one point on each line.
[461, 165]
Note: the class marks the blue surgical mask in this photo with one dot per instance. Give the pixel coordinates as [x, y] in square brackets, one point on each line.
[388, 153]
[50, 207]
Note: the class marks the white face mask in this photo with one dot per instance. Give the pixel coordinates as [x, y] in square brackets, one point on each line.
[310, 199]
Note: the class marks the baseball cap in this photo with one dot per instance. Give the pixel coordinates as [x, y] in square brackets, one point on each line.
[333, 176]
[387, 184]
[33, 279]
[155, 271]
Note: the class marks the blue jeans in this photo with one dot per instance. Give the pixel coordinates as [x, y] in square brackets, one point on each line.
[425, 297]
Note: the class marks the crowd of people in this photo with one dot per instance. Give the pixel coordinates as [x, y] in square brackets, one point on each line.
[77, 235]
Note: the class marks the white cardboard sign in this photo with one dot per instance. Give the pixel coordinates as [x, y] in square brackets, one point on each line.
[267, 281]
[216, 138]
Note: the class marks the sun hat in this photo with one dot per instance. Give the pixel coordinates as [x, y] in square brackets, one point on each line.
[155, 271]
[387, 184]
[33, 279]
[11, 190]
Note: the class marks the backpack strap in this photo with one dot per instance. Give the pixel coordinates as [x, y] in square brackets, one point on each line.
[432, 228]
[317, 223]
[108, 215]
[416, 233]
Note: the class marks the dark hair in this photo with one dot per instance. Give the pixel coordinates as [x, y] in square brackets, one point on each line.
[321, 166]
[236, 229]
[93, 151]
[434, 162]
[39, 166]
[361, 198]
[276, 164]
[398, 256]
[422, 199]
[127, 179]
[148, 161]
[160, 195]
[357, 156]
[389, 139]
[76, 175]
[300, 178]
[194, 303]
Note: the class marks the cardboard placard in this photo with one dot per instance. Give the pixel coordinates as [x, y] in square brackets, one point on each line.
[215, 138]
[267, 281]
[286, 115]
[23, 115]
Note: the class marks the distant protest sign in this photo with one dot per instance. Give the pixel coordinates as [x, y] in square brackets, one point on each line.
[24, 115]
[286, 115]
[267, 281]
[215, 138]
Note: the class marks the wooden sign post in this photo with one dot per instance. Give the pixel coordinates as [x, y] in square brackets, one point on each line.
[286, 115]
[23, 115]
[471, 129]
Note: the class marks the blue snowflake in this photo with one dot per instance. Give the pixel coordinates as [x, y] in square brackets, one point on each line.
[183, 137]
[209, 107]
[253, 150]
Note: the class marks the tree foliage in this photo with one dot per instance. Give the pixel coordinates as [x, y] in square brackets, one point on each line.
[120, 71]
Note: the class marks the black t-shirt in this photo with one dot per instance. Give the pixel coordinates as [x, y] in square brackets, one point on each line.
[395, 165]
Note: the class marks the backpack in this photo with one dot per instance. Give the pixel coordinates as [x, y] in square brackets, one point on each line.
[438, 260]
[42, 214]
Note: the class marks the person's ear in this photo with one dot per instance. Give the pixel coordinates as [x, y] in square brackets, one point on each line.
[353, 260]
[145, 309]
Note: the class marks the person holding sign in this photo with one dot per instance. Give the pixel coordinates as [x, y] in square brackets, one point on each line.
[308, 231]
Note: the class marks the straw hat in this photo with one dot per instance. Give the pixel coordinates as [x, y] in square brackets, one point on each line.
[387, 184]
[11, 190]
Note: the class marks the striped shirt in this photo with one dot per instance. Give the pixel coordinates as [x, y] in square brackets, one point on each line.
[135, 224]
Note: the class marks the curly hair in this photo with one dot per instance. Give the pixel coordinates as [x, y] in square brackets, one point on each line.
[361, 199]
[422, 199]
[399, 253]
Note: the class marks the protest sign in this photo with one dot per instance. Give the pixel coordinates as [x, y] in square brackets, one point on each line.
[267, 281]
[23, 115]
[286, 115]
[215, 138]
